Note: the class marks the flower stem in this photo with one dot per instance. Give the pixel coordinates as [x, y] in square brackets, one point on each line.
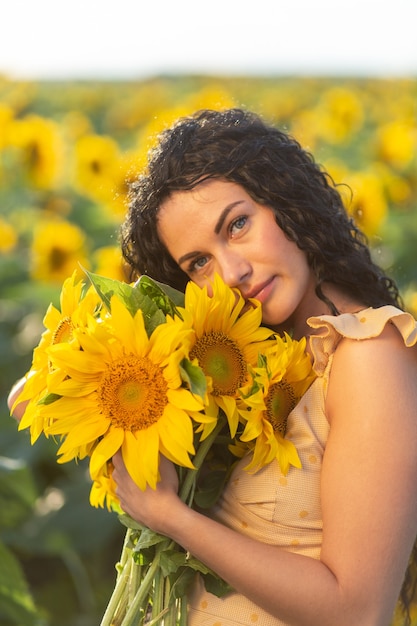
[182, 618]
[204, 446]
[135, 577]
[138, 604]
[119, 589]
[158, 595]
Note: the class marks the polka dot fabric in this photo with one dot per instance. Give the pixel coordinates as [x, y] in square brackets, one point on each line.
[283, 510]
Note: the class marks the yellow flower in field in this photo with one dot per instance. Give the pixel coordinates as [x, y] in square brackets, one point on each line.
[228, 337]
[139, 105]
[340, 113]
[367, 204]
[8, 237]
[124, 390]
[305, 127]
[397, 185]
[6, 117]
[410, 299]
[211, 96]
[103, 490]
[58, 248]
[337, 170]
[397, 143]
[277, 387]
[75, 308]
[108, 262]
[127, 170]
[96, 158]
[41, 149]
[75, 124]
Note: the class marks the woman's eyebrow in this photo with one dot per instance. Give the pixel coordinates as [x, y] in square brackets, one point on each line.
[219, 225]
[224, 214]
[189, 255]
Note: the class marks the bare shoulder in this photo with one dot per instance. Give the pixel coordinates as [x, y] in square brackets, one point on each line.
[373, 371]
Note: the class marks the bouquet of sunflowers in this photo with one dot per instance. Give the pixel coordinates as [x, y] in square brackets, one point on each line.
[149, 370]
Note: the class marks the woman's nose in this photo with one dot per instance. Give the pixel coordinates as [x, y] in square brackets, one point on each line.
[234, 269]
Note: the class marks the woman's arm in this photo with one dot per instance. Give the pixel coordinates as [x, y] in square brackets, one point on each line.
[368, 499]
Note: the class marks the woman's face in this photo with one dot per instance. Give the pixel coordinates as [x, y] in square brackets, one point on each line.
[217, 227]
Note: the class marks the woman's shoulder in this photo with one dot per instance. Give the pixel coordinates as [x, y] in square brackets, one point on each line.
[377, 375]
[369, 323]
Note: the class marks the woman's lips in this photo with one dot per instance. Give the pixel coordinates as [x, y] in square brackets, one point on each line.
[261, 292]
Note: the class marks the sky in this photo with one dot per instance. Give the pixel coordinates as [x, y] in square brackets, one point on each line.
[134, 39]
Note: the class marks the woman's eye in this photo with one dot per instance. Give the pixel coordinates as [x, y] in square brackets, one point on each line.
[238, 224]
[197, 264]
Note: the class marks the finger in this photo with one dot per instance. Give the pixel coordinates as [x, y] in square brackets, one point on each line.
[15, 392]
[117, 460]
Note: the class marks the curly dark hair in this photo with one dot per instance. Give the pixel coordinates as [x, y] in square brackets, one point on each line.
[238, 146]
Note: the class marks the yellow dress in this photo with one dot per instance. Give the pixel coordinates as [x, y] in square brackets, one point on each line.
[283, 510]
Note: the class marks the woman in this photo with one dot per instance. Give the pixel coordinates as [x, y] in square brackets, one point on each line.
[328, 544]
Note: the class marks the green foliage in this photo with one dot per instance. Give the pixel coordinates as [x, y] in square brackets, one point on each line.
[17, 496]
[154, 299]
[194, 377]
[16, 604]
[17, 492]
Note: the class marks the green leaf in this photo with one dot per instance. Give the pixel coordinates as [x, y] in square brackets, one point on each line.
[108, 287]
[49, 398]
[197, 565]
[132, 297]
[182, 568]
[17, 492]
[171, 560]
[194, 377]
[216, 471]
[210, 487]
[153, 320]
[215, 585]
[166, 297]
[181, 584]
[148, 538]
[262, 360]
[129, 522]
[16, 604]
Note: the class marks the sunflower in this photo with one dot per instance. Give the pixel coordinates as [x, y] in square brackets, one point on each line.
[228, 338]
[8, 237]
[282, 377]
[41, 149]
[123, 389]
[109, 262]
[368, 206]
[58, 247]
[96, 159]
[103, 490]
[75, 308]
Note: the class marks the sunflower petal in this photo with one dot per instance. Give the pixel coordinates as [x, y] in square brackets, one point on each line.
[105, 449]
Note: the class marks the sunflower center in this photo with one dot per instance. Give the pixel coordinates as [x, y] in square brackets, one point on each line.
[280, 401]
[132, 393]
[221, 358]
[63, 332]
[57, 257]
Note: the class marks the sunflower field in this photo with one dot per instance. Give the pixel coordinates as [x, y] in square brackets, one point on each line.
[67, 153]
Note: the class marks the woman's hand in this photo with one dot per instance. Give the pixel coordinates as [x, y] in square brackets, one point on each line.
[152, 507]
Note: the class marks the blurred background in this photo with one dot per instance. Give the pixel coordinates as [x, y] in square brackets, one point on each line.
[84, 89]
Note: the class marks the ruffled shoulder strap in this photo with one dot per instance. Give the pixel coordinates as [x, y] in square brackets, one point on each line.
[362, 325]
